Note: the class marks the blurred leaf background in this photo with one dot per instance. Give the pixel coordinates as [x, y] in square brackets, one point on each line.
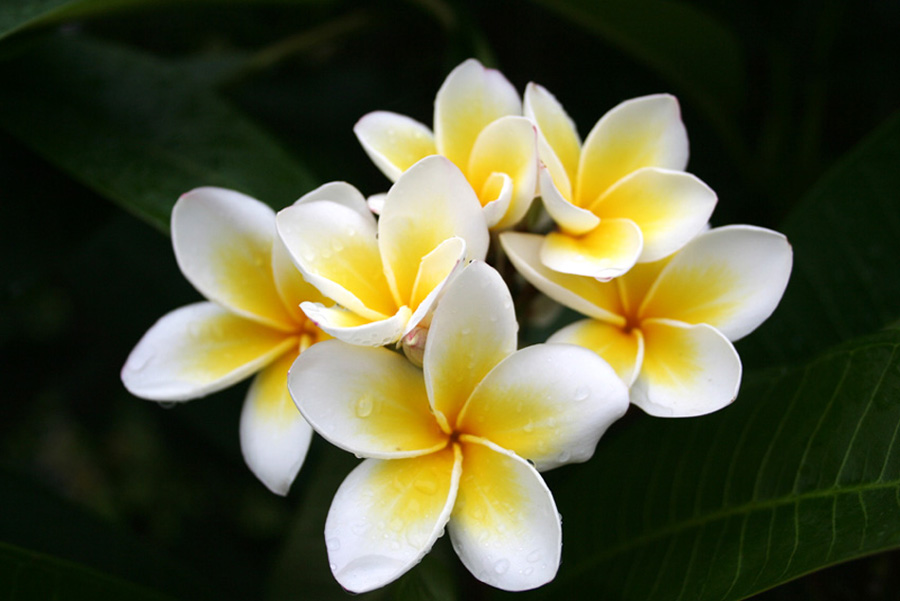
[111, 109]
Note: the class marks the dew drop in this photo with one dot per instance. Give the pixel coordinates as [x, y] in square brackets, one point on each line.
[466, 331]
[534, 556]
[167, 404]
[364, 407]
[528, 571]
[502, 566]
[333, 544]
[582, 393]
[337, 245]
[529, 427]
[326, 253]
[359, 528]
[396, 524]
[564, 457]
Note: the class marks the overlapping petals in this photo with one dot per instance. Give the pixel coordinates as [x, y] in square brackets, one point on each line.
[622, 197]
[384, 277]
[458, 443]
[478, 125]
[666, 327]
[225, 245]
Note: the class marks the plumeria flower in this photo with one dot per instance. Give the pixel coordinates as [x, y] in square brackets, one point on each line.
[623, 196]
[666, 327]
[458, 443]
[225, 245]
[384, 277]
[478, 124]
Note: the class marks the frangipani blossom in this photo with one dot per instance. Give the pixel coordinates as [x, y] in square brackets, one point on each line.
[478, 124]
[666, 327]
[384, 277]
[623, 197]
[225, 245]
[458, 443]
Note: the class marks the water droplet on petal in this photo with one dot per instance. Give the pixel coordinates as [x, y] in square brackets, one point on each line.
[167, 404]
[582, 393]
[564, 456]
[534, 556]
[337, 245]
[502, 566]
[396, 524]
[529, 427]
[333, 544]
[359, 528]
[364, 407]
[528, 571]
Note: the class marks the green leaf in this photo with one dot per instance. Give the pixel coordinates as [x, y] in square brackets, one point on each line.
[137, 130]
[802, 472]
[46, 541]
[19, 15]
[26, 575]
[685, 46]
[846, 239]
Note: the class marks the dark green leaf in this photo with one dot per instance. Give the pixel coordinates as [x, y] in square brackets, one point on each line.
[138, 131]
[26, 575]
[802, 472]
[846, 239]
[692, 51]
[18, 15]
[48, 542]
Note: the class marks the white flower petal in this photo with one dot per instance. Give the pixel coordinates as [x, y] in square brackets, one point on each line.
[436, 270]
[731, 278]
[641, 132]
[473, 329]
[394, 142]
[431, 202]
[199, 349]
[506, 146]
[499, 188]
[387, 515]
[571, 219]
[376, 202]
[623, 350]
[688, 370]
[274, 436]
[292, 288]
[606, 252]
[337, 251]
[555, 126]
[341, 193]
[549, 403]
[351, 328]
[470, 98]
[670, 207]
[504, 527]
[223, 245]
[586, 295]
[369, 401]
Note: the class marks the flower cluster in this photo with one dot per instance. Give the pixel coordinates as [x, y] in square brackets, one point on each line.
[455, 430]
